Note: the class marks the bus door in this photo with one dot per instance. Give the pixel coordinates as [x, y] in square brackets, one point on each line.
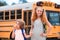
[27, 19]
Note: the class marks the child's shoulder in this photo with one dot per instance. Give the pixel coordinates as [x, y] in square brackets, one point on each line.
[18, 31]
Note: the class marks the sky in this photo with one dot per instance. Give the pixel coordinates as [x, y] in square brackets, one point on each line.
[16, 1]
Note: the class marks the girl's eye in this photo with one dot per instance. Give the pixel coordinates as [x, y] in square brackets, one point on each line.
[39, 11]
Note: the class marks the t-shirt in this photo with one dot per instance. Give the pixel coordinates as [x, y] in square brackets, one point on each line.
[18, 35]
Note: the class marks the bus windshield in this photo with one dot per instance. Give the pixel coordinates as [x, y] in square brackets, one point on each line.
[53, 17]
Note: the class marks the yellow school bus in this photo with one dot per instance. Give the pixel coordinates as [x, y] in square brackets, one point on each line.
[53, 15]
[9, 15]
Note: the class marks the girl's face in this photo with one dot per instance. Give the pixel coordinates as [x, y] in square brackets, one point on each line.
[18, 26]
[39, 11]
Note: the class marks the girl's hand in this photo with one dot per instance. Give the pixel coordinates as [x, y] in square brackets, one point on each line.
[31, 33]
[43, 34]
[58, 35]
[14, 28]
[28, 36]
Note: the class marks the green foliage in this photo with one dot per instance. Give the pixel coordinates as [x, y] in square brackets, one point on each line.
[3, 3]
[23, 1]
[13, 3]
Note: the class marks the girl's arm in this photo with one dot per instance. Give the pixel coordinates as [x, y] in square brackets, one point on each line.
[32, 25]
[13, 34]
[30, 34]
[27, 36]
[47, 23]
[45, 20]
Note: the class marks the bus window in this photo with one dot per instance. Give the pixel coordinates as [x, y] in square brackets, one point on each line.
[53, 17]
[19, 14]
[25, 17]
[59, 17]
[29, 17]
[1, 15]
[13, 14]
[7, 15]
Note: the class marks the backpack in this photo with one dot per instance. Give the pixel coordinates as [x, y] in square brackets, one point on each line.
[11, 36]
[22, 34]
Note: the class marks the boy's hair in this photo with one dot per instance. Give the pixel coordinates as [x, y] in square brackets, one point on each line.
[21, 23]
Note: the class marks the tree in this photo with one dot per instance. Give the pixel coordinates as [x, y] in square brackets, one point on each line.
[3, 3]
[23, 1]
[13, 3]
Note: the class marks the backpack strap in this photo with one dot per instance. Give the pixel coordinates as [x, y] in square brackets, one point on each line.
[23, 34]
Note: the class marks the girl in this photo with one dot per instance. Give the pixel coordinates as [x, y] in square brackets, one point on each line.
[37, 24]
[17, 31]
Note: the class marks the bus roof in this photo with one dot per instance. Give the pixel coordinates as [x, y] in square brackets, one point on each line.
[24, 6]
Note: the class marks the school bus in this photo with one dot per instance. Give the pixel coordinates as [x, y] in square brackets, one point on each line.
[9, 15]
[53, 16]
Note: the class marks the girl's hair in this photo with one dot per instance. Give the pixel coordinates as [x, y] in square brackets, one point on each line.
[34, 14]
[21, 24]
